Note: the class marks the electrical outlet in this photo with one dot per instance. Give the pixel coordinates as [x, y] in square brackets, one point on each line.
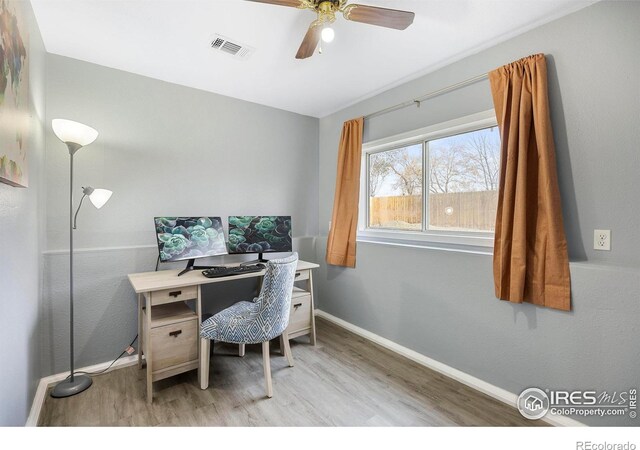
[602, 240]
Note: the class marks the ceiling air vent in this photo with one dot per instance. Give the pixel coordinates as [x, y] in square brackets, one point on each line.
[233, 48]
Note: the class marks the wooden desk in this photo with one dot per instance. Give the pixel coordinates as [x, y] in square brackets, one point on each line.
[169, 332]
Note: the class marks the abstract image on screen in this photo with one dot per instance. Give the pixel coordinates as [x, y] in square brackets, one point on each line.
[181, 238]
[259, 234]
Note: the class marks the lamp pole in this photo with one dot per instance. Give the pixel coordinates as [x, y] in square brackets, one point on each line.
[74, 384]
[73, 148]
[71, 152]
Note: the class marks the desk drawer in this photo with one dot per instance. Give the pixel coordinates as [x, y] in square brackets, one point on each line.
[300, 314]
[302, 275]
[174, 344]
[174, 295]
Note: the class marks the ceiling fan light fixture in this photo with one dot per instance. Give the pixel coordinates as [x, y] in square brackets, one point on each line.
[328, 34]
[320, 30]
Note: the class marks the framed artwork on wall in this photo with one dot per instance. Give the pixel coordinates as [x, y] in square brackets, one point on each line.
[15, 107]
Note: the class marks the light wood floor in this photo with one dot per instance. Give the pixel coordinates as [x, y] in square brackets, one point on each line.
[344, 381]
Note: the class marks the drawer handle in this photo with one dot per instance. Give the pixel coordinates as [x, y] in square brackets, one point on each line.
[175, 333]
[175, 294]
[297, 305]
[298, 274]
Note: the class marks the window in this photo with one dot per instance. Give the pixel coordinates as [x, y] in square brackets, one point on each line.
[438, 184]
[395, 188]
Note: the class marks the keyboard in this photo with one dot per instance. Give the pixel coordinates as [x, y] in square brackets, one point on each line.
[222, 271]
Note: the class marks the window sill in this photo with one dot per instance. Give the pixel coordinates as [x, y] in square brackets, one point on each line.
[481, 245]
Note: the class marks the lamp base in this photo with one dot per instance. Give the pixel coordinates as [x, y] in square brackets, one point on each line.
[67, 388]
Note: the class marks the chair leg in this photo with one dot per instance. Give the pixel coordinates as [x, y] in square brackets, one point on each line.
[241, 350]
[284, 341]
[267, 368]
[204, 362]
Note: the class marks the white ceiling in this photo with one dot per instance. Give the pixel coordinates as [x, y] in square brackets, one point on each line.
[169, 40]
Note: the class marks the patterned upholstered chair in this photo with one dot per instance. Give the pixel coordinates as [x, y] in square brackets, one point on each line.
[259, 321]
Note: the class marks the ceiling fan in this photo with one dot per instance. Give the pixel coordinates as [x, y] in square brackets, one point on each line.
[327, 9]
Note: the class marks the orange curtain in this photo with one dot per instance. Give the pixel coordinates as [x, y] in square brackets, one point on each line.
[530, 261]
[341, 245]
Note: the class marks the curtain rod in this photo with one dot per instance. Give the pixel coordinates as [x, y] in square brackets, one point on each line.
[419, 100]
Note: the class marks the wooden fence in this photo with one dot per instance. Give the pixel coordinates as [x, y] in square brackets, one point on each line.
[458, 210]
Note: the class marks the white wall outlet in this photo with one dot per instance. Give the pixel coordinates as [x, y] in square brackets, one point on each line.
[602, 240]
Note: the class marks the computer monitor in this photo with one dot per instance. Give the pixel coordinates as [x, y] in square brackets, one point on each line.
[189, 238]
[259, 234]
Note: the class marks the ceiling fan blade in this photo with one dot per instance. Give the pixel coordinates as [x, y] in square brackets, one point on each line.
[383, 17]
[310, 41]
[292, 3]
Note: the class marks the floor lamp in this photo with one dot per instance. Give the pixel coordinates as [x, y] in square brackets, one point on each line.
[76, 136]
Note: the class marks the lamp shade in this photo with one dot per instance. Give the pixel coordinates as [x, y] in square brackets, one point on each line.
[99, 197]
[69, 131]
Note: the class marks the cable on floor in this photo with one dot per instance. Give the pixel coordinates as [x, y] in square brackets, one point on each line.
[110, 365]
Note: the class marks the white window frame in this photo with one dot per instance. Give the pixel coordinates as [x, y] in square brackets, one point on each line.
[453, 240]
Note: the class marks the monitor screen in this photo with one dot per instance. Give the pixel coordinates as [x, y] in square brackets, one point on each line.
[259, 234]
[181, 238]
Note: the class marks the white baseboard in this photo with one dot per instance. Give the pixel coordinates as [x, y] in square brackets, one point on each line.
[486, 388]
[43, 385]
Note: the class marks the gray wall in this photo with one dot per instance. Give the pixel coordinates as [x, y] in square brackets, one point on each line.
[163, 149]
[21, 222]
[440, 303]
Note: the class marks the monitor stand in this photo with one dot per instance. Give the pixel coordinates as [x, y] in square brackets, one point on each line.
[191, 266]
[255, 261]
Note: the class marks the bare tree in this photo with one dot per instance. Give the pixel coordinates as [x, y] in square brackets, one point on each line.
[466, 164]
[379, 169]
[483, 161]
[447, 169]
[408, 171]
